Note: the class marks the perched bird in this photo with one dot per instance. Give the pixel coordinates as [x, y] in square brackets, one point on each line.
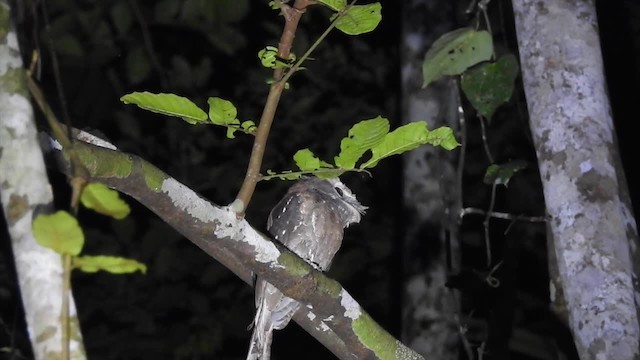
[310, 221]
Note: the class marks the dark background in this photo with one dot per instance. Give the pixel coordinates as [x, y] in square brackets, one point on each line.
[188, 306]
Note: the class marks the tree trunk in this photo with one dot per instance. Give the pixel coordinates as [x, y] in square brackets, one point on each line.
[24, 189]
[593, 228]
[429, 189]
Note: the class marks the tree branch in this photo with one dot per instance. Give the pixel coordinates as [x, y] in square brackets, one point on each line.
[331, 315]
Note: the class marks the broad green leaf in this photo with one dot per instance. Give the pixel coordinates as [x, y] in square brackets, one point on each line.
[501, 174]
[489, 85]
[101, 199]
[306, 160]
[112, 264]
[404, 138]
[335, 5]
[359, 19]
[167, 104]
[362, 137]
[59, 232]
[454, 52]
[442, 136]
[222, 112]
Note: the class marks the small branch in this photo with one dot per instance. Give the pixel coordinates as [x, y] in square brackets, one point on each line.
[252, 176]
[485, 143]
[235, 244]
[292, 17]
[485, 223]
[501, 215]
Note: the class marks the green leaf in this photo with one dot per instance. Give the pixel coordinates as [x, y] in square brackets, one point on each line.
[249, 126]
[491, 84]
[409, 137]
[359, 19]
[101, 199]
[59, 232]
[167, 104]
[454, 52]
[442, 136]
[112, 264]
[362, 137]
[232, 127]
[335, 5]
[501, 174]
[222, 112]
[306, 160]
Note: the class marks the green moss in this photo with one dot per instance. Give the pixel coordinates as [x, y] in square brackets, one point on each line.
[116, 165]
[153, 176]
[13, 81]
[329, 286]
[293, 265]
[374, 337]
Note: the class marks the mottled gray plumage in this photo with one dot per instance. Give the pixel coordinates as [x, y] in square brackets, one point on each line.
[310, 221]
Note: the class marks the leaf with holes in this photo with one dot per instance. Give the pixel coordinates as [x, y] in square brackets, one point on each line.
[454, 52]
[490, 85]
[362, 137]
[359, 19]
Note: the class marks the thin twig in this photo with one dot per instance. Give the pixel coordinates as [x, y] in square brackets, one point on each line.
[485, 143]
[485, 223]
[501, 215]
[292, 18]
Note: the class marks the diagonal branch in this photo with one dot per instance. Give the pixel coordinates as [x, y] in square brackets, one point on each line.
[331, 315]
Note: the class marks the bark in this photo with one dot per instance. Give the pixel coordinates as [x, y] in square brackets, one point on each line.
[594, 232]
[329, 313]
[24, 189]
[429, 190]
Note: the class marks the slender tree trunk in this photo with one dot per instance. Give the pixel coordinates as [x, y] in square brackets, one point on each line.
[24, 188]
[428, 306]
[593, 228]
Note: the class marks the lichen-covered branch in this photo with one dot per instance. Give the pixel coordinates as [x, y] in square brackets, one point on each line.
[332, 315]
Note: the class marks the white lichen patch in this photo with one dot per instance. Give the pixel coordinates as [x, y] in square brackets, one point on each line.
[311, 315]
[187, 200]
[266, 251]
[351, 307]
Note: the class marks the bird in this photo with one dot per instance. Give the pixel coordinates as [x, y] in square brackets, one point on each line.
[310, 221]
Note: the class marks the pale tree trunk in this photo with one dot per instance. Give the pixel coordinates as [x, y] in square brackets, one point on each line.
[24, 188]
[593, 229]
[429, 189]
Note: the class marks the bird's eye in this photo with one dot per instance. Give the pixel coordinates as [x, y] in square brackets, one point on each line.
[339, 191]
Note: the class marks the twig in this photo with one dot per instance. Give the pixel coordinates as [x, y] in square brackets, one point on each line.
[501, 215]
[292, 18]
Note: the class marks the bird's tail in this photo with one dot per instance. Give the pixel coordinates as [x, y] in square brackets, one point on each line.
[260, 346]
